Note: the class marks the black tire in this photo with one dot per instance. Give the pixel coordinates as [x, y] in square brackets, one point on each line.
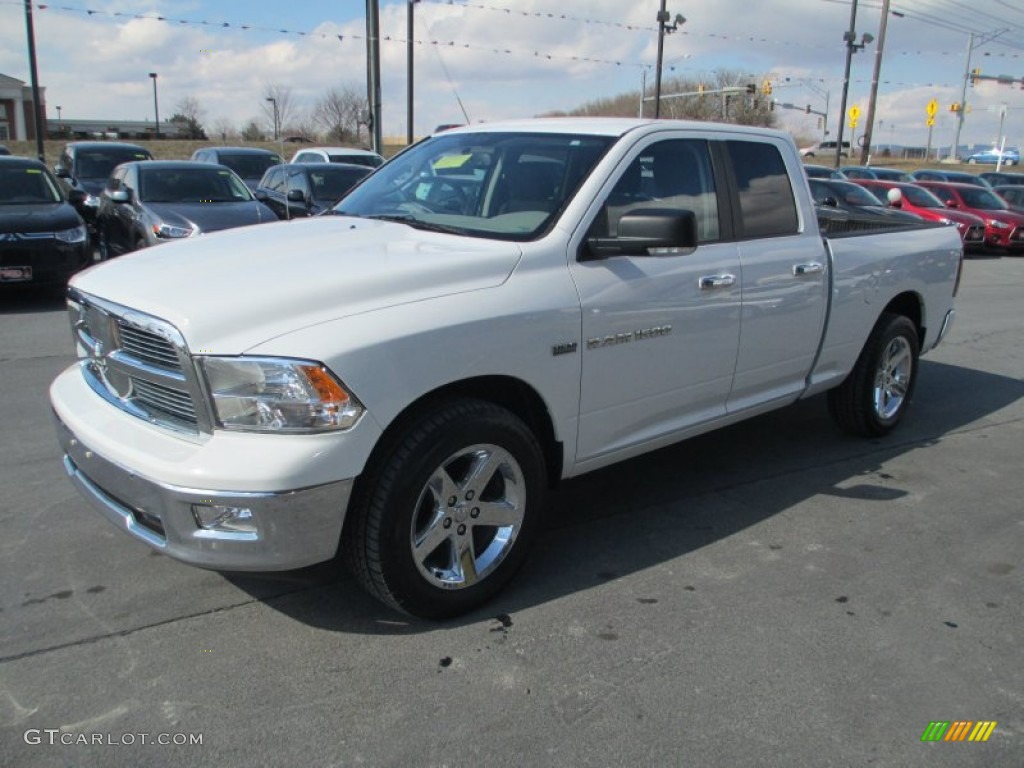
[140, 243]
[421, 492]
[876, 394]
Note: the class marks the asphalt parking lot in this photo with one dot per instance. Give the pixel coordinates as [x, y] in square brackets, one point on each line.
[776, 593]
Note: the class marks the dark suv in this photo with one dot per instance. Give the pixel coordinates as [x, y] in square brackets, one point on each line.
[248, 162]
[86, 165]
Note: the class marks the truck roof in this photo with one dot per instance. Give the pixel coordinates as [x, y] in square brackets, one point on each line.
[609, 126]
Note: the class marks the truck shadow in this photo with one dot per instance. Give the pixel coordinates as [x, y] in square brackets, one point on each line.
[661, 506]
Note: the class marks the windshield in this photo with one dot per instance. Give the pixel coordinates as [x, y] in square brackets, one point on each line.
[20, 185]
[370, 161]
[191, 185]
[507, 186]
[976, 197]
[98, 163]
[921, 197]
[249, 166]
[330, 184]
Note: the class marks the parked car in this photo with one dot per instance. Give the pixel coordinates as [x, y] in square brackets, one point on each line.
[43, 240]
[86, 165]
[1002, 178]
[956, 177]
[847, 196]
[992, 156]
[875, 172]
[1013, 194]
[1003, 228]
[250, 163]
[825, 149]
[822, 172]
[918, 200]
[4, 150]
[338, 155]
[148, 203]
[307, 189]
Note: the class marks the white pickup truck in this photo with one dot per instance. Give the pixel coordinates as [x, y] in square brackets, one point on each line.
[498, 307]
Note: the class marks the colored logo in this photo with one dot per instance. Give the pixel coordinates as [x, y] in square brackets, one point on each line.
[958, 730]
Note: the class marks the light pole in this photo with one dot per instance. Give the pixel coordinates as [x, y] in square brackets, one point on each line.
[852, 46]
[408, 62]
[273, 101]
[61, 127]
[156, 105]
[664, 28]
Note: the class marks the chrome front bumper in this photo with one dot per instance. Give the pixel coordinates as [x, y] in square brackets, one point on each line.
[293, 528]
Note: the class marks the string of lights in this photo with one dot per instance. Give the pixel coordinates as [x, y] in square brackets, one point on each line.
[453, 44]
[727, 37]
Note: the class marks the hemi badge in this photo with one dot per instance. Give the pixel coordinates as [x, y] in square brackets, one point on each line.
[564, 349]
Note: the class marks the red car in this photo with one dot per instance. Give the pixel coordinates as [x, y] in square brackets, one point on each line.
[917, 199]
[1003, 228]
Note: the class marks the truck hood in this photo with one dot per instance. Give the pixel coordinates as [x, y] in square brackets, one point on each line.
[232, 290]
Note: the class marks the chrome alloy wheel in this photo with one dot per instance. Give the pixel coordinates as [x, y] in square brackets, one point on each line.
[467, 516]
[892, 379]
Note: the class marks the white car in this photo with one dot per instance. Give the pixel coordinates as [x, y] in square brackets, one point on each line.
[338, 155]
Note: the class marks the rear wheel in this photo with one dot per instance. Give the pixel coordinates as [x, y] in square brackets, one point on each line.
[444, 519]
[876, 394]
[971, 161]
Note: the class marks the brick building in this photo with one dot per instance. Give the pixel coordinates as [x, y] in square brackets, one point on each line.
[17, 113]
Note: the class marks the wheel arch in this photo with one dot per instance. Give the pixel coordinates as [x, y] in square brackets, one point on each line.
[508, 392]
[911, 306]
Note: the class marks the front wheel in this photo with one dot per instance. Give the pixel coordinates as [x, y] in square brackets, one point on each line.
[876, 394]
[445, 517]
[971, 161]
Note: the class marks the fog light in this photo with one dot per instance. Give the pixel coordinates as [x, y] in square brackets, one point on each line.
[219, 517]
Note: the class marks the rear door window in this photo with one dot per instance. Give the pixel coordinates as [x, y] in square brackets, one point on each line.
[767, 206]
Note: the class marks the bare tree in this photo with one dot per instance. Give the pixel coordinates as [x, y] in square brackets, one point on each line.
[224, 129]
[340, 111]
[279, 97]
[190, 115]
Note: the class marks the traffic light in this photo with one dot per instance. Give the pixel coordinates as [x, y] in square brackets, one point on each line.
[807, 110]
[751, 88]
[975, 74]
[954, 107]
[766, 87]
[700, 88]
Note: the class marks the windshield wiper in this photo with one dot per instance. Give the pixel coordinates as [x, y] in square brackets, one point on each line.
[412, 221]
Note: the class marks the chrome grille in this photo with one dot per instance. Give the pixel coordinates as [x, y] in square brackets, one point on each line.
[148, 346]
[166, 400]
[138, 363]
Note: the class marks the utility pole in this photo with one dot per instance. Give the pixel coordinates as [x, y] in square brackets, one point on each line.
[373, 71]
[37, 106]
[865, 152]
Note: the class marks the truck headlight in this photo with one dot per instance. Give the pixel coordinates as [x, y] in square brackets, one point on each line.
[265, 394]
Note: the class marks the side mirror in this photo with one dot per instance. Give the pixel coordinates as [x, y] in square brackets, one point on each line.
[260, 195]
[61, 172]
[295, 196]
[76, 197]
[120, 196]
[648, 232]
[831, 202]
[952, 203]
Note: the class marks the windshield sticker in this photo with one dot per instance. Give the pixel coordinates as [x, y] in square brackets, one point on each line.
[32, 170]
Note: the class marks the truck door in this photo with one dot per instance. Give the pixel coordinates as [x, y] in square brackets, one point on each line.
[785, 277]
[660, 332]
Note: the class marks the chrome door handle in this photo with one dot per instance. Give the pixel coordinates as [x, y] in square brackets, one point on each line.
[716, 281]
[814, 268]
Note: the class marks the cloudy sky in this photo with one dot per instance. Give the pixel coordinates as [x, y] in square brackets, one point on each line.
[518, 58]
